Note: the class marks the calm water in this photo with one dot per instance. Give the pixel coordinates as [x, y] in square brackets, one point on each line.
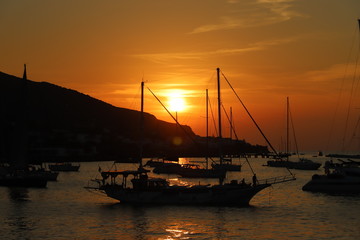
[65, 210]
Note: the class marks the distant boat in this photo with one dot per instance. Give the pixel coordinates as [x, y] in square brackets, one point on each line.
[64, 167]
[126, 160]
[194, 171]
[341, 178]
[146, 190]
[302, 163]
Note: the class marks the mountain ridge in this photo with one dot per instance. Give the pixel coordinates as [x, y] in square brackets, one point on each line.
[64, 124]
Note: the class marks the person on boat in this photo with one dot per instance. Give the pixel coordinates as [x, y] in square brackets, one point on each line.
[254, 180]
[327, 167]
[243, 183]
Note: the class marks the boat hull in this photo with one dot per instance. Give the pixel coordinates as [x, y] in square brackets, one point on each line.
[64, 168]
[333, 184]
[14, 181]
[221, 195]
[294, 165]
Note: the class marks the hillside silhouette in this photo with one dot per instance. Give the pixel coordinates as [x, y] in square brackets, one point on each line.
[66, 125]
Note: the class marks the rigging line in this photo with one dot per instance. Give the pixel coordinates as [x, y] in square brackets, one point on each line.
[293, 130]
[351, 97]
[182, 128]
[213, 118]
[253, 120]
[231, 125]
[341, 88]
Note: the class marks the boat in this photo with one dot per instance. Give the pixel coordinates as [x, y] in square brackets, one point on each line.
[17, 172]
[225, 164]
[302, 163]
[64, 167]
[46, 173]
[126, 160]
[339, 178]
[168, 168]
[147, 190]
[194, 171]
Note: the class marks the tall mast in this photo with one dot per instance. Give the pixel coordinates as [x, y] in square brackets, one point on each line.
[141, 123]
[231, 123]
[219, 101]
[207, 129]
[219, 111]
[287, 128]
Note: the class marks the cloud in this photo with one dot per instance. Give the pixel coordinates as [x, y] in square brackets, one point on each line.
[262, 13]
[166, 57]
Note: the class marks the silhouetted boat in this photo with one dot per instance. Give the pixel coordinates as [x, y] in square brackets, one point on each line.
[64, 167]
[227, 165]
[338, 178]
[146, 190]
[302, 163]
[18, 172]
[46, 173]
[194, 171]
[126, 160]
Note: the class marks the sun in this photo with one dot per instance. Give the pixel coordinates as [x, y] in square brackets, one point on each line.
[176, 102]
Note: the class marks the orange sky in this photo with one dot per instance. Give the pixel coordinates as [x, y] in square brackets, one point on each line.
[267, 49]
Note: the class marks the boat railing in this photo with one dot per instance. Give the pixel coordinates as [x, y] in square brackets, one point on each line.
[275, 180]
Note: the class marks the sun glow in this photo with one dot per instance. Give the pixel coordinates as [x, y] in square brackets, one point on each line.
[176, 102]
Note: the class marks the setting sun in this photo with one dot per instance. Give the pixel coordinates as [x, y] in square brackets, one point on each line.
[176, 102]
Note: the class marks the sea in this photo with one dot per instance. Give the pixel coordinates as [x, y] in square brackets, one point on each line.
[67, 210]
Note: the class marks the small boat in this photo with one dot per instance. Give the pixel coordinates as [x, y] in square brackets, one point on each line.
[17, 172]
[227, 165]
[64, 167]
[344, 178]
[302, 163]
[126, 160]
[155, 162]
[168, 168]
[46, 173]
[194, 171]
[10, 177]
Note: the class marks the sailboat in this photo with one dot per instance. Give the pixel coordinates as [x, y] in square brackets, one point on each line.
[225, 164]
[343, 177]
[302, 163]
[147, 190]
[18, 172]
[189, 170]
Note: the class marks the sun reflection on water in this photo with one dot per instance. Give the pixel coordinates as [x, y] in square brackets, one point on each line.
[177, 234]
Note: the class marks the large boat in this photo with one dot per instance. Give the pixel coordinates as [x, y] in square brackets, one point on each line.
[147, 190]
[341, 178]
[301, 163]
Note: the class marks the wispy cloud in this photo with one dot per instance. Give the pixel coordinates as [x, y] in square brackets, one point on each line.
[264, 12]
[166, 57]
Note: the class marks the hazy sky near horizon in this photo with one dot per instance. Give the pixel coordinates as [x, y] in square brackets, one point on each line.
[268, 50]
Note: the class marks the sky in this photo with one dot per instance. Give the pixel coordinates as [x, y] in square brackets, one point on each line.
[267, 49]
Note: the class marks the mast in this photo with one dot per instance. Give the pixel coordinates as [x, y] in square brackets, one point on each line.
[287, 128]
[141, 124]
[231, 123]
[219, 110]
[207, 129]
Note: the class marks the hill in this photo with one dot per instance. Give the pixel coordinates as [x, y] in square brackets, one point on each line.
[63, 124]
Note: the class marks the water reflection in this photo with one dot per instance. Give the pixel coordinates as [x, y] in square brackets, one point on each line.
[17, 217]
[18, 194]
